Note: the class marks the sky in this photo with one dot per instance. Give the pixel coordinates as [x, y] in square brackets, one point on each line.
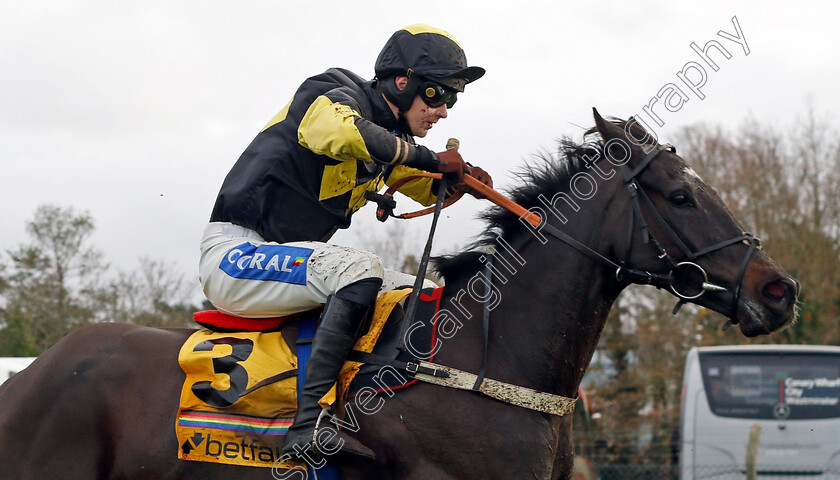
[135, 111]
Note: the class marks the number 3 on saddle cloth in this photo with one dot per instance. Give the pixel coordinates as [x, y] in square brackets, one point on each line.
[240, 393]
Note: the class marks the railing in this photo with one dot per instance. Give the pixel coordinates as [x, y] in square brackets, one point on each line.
[672, 472]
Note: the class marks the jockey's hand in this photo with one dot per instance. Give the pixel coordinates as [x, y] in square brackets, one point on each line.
[479, 174]
[451, 162]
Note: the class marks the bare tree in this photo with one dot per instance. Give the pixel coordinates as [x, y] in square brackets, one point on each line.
[155, 295]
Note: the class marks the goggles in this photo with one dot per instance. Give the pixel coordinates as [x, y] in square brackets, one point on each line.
[436, 95]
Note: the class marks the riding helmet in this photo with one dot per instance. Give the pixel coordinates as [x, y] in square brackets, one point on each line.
[424, 51]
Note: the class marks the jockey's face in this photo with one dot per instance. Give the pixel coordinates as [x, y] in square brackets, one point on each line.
[421, 117]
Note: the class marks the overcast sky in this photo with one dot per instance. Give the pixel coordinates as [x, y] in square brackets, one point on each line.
[135, 111]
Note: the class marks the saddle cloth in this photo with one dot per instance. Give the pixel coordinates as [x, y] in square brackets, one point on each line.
[240, 393]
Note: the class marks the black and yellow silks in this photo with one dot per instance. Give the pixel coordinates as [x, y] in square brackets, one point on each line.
[306, 172]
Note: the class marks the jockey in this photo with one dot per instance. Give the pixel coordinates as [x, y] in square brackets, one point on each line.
[263, 254]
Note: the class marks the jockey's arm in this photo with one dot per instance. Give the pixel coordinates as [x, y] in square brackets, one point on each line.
[421, 190]
[333, 126]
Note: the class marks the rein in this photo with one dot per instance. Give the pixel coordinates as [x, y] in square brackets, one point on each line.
[440, 374]
[623, 272]
[386, 204]
[541, 401]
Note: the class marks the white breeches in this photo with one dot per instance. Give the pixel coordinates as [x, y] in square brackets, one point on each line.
[244, 275]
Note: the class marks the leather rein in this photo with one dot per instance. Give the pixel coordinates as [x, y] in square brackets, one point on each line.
[526, 397]
[623, 272]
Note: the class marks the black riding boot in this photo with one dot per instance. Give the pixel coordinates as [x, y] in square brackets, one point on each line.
[336, 334]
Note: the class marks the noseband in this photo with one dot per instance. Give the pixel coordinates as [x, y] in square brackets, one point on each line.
[678, 272]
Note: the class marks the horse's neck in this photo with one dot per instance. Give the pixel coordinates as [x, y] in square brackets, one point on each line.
[554, 317]
[550, 314]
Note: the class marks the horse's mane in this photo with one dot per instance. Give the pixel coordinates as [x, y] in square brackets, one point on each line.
[546, 176]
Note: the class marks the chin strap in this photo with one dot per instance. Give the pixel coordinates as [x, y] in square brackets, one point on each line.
[402, 123]
[402, 99]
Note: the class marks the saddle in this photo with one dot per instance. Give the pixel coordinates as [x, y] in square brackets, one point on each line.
[242, 377]
[380, 346]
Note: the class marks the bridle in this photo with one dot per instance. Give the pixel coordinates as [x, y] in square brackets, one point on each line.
[678, 272]
[548, 403]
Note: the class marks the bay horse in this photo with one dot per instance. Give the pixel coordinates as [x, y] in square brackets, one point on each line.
[615, 210]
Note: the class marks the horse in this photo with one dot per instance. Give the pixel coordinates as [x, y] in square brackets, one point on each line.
[615, 210]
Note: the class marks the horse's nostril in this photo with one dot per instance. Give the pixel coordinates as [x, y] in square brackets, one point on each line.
[775, 290]
[783, 291]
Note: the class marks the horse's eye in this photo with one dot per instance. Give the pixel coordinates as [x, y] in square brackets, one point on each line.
[680, 199]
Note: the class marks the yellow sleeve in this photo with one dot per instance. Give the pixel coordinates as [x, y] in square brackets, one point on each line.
[420, 190]
[329, 128]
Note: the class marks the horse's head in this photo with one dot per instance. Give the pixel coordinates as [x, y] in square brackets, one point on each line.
[680, 230]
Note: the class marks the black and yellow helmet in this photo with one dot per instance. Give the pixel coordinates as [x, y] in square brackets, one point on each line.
[424, 51]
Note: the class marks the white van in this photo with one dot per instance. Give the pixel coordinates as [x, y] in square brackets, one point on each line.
[790, 392]
[9, 366]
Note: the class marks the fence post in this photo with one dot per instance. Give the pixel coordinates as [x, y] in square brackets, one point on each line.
[752, 451]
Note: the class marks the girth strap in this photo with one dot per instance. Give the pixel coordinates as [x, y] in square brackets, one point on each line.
[506, 392]
[453, 378]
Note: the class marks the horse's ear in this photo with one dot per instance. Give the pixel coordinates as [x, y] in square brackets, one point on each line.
[618, 139]
[608, 130]
[600, 123]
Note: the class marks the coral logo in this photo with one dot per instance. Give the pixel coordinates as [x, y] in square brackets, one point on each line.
[276, 263]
